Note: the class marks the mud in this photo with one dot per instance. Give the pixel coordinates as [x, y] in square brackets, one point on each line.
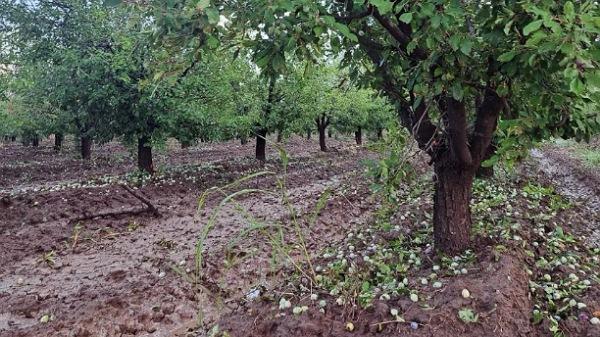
[126, 274]
[572, 179]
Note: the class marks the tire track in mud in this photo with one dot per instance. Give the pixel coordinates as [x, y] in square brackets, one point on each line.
[123, 283]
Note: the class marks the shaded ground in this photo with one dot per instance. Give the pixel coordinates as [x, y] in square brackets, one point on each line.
[127, 274]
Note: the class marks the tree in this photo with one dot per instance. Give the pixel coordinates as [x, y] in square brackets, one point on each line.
[61, 55]
[453, 70]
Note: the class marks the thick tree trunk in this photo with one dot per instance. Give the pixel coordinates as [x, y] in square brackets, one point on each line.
[58, 141]
[322, 136]
[86, 148]
[261, 145]
[145, 155]
[358, 136]
[451, 211]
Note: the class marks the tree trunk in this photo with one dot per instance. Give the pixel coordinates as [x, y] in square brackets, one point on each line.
[279, 136]
[322, 129]
[13, 138]
[145, 155]
[35, 141]
[329, 133]
[243, 140]
[185, 144]
[261, 145]
[451, 211]
[358, 136]
[487, 171]
[58, 140]
[308, 134]
[379, 133]
[86, 148]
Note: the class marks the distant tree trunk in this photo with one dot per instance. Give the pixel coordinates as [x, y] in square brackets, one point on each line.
[279, 136]
[86, 148]
[358, 136]
[185, 144]
[329, 133]
[379, 133]
[308, 134]
[35, 141]
[145, 155]
[13, 138]
[322, 123]
[58, 141]
[243, 140]
[261, 135]
[261, 145]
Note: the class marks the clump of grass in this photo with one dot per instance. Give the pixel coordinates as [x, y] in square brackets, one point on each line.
[48, 258]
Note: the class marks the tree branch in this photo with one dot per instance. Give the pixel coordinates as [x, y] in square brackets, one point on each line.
[485, 124]
[457, 131]
[402, 38]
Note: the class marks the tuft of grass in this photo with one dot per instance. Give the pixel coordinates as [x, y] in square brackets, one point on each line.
[48, 258]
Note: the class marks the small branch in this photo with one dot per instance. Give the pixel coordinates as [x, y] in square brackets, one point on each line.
[143, 199]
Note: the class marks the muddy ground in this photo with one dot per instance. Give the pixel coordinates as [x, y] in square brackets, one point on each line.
[126, 274]
[66, 273]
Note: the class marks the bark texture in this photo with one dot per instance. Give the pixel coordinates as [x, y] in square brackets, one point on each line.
[58, 141]
[358, 136]
[145, 155]
[261, 145]
[86, 148]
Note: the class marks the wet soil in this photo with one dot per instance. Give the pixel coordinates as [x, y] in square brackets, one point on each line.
[134, 274]
[572, 178]
[498, 282]
[129, 274]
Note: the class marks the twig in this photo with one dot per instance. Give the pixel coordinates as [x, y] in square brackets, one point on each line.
[141, 198]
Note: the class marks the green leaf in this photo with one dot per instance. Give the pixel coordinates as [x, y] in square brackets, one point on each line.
[569, 9]
[507, 57]
[342, 28]
[577, 86]
[465, 46]
[384, 6]
[406, 18]
[202, 4]
[532, 27]
[457, 91]
[213, 15]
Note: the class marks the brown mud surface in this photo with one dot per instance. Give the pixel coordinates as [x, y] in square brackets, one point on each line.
[132, 274]
[502, 279]
[127, 274]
